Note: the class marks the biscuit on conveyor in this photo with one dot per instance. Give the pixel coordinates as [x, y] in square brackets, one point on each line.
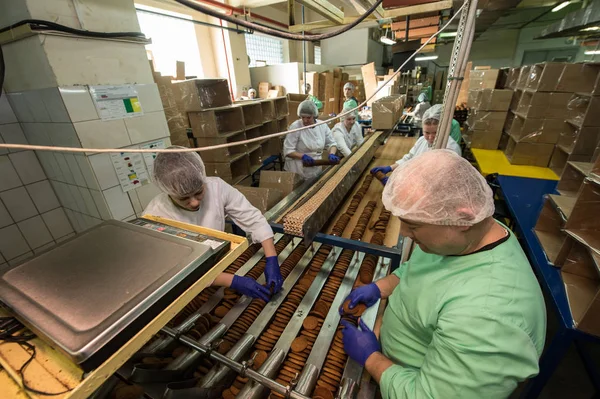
[299, 344]
[357, 311]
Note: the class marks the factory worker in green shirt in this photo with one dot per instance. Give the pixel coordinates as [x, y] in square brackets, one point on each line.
[465, 316]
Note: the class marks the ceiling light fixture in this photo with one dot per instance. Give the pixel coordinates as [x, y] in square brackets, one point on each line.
[426, 58]
[386, 40]
[448, 34]
[590, 29]
[592, 52]
[561, 6]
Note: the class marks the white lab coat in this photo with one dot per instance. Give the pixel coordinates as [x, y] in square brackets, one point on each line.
[422, 146]
[220, 200]
[417, 114]
[345, 139]
[307, 141]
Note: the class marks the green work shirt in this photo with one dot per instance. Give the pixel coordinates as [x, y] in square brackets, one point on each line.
[350, 103]
[455, 131]
[317, 102]
[463, 327]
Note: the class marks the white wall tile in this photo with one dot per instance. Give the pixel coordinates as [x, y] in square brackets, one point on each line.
[37, 133]
[64, 194]
[104, 171]
[34, 101]
[13, 134]
[43, 196]
[57, 223]
[50, 165]
[147, 127]
[79, 202]
[103, 134]
[20, 259]
[80, 224]
[5, 218]
[135, 201]
[146, 193]
[74, 168]
[90, 205]
[79, 103]
[43, 248]
[12, 243]
[65, 238]
[73, 220]
[86, 170]
[8, 175]
[118, 203]
[19, 105]
[149, 97]
[54, 105]
[27, 166]
[63, 135]
[7, 114]
[65, 173]
[18, 204]
[35, 232]
[101, 204]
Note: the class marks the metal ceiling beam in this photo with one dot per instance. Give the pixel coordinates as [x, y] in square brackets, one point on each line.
[361, 6]
[310, 26]
[418, 9]
[326, 9]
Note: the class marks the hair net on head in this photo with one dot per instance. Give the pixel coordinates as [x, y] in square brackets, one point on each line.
[252, 91]
[438, 187]
[422, 98]
[349, 85]
[350, 115]
[179, 174]
[307, 107]
[433, 113]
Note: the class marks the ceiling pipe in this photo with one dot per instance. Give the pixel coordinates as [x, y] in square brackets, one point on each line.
[240, 11]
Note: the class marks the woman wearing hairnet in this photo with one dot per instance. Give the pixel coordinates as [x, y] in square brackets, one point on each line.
[465, 316]
[347, 133]
[312, 98]
[431, 120]
[351, 101]
[304, 146]
[189, 196]
[422, 106]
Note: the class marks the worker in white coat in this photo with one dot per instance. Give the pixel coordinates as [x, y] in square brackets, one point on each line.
[419, 112]
[189, 196]
[431, 120]
[303, 147]
[347, 133]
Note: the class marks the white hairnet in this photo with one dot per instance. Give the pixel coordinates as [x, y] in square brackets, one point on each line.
[350, 115]
[252, 91]
[307, 107]
[349, 85]
[179, 174]
[422, 98]
[433, 113]
[438, 187]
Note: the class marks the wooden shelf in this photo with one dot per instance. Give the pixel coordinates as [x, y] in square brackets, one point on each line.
[589, 238]
[566, 193]
[584, 167]
[550, 243]
[574, 123]
[564, 204]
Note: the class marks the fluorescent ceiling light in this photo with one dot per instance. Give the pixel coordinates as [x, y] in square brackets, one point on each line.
[592, 52]
[590, 29]
[561, 6]
[386, 40]
[427, 58]
[448, 34]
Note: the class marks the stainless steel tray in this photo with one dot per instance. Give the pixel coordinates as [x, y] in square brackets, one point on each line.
[95, 291]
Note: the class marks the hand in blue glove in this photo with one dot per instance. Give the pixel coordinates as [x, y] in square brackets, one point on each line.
[359, 345]
[308, 160]
[383, 169]
[250, 287]
[384, 180]
[368, 294]
[273, 274]
[334, 158]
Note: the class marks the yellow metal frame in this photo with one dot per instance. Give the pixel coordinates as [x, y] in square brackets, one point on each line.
[51, 371]
[494, 161]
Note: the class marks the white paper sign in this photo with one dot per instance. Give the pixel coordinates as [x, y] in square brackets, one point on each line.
[116, 102]
[130, 169]
[149, 157]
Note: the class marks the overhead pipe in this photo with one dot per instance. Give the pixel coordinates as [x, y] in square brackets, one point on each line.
[240, 11]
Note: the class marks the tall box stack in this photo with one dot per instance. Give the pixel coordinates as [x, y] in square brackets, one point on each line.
[488, 111]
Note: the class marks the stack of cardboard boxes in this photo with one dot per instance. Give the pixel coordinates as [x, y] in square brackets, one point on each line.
[487, 115]
[387, 111]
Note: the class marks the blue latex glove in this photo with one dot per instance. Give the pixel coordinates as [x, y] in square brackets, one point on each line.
[368, 294]
[334, 158]
[250, 287]
[384, 180]
[273, 274]
[308, 160]
[359, 345]
[384, 169]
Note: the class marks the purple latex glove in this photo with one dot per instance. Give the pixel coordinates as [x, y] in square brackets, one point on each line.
[273, 274]
[308, 160]
[368, 294]
[359, 345]
[334, 158]
[384, 180]
[383, 169]
[250, 287]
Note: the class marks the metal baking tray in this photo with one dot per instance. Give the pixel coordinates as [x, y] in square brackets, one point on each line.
[89, 295]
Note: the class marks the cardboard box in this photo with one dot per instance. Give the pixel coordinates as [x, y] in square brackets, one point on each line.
[268, 110]
[294, 101]
[272, 146]
[473, 98]
[512, 78]
[232, 172]
[544, 77]
[285, 182]
[263, 89]
[483, 139]
[387, 112]
[217, 122]
[252, 111]
[202, 94]
[544, 105]
[523, 77]
[262, 199]
[524, 153]
[584, 110]
[483, 79]
[494, 99]
[535, 130]
[180, 70]
[221, 155]
[486, 120]
[516, 99]
[580, 78]
[312, 78]
[281, 107]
